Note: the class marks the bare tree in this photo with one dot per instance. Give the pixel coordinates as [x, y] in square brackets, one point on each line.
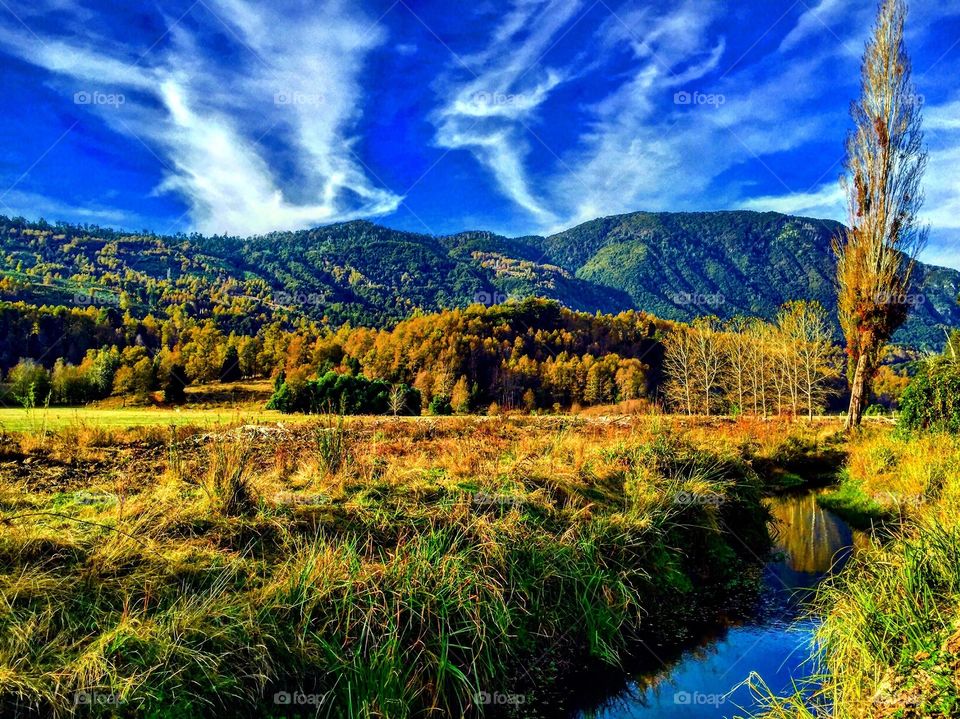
[814, 356]
[397, 400]
[678, 367]
[760, 366]
[740, 356]
[709, 361]
[884, 167]
[778, 375]
[789, 339]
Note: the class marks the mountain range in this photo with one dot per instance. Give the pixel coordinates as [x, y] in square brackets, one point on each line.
[674, 265]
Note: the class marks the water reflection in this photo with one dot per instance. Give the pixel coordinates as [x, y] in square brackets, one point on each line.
[808, 535]
[810, 542]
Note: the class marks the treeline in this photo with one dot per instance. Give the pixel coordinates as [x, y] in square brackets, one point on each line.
[788, 366]
[532, 355]
[347, 394]
[64, 355]
[528, 355]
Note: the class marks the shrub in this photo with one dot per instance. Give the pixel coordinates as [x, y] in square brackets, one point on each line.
[228, 478]
[333, 446]
[348, 394]
[173, 390]
[932, 400]
[440, 406]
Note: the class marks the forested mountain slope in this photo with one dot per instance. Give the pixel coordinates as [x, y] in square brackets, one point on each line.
[674, 265]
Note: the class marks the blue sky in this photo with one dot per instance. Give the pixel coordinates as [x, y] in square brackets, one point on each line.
[240, 117]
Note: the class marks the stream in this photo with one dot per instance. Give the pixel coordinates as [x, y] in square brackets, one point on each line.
[776, 643]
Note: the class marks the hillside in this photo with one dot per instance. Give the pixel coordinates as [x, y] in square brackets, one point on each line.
[676, 266]
[680, 265]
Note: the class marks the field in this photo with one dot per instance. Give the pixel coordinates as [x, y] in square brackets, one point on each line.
[57, 418]
[383, 567]
[387, 567]
[207, 406]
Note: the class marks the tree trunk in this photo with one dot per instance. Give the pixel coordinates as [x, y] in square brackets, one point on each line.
[857, 393]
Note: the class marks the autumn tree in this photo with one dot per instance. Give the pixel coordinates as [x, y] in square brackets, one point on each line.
[760, 365]
[884, 166]
[811, 355]
[460, 396]
[740, 355]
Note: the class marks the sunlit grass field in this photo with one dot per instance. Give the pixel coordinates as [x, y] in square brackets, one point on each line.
[16, 419]
[207, 406]
[144, 544]
[389, 567]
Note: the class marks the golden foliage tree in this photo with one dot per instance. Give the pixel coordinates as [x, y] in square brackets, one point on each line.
[884, 166]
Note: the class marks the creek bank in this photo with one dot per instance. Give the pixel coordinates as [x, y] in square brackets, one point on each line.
[746, 589]
[712, 678]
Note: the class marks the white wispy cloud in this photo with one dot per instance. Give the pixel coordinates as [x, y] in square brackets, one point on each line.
[827, 202]
[661, 139]
[678, 119]
[490, 98]
[256, 144]
[817, 21]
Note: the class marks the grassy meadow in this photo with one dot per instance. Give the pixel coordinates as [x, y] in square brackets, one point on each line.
[209, 405]
[370, 566]
[380, 567]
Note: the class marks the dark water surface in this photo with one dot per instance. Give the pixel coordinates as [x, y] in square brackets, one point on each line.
[810, 543]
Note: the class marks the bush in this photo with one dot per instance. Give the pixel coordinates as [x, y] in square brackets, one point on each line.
[932, 400]
[440, 406]
[344, 393]
[29, 383]
[333, 446]
[174, 389]
[228, 478]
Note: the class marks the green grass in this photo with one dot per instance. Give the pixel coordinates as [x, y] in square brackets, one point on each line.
[850, 502]
[14, 419]
[432, 563]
